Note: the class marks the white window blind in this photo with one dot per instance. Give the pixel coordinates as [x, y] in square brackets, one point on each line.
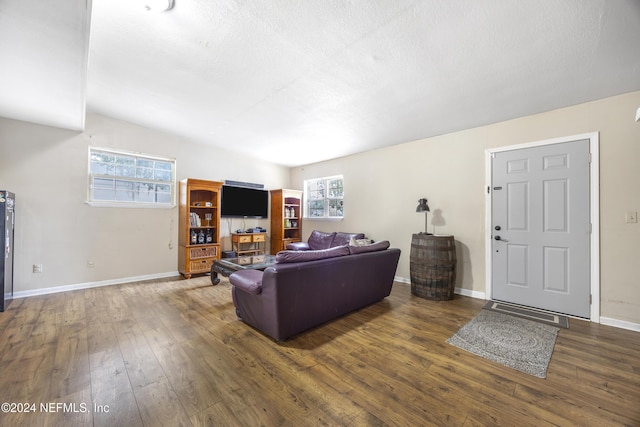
[118, 178]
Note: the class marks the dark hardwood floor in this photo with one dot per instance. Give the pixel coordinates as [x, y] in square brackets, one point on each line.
[173, 353]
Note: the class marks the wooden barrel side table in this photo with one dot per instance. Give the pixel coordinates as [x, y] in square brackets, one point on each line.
[433, 266]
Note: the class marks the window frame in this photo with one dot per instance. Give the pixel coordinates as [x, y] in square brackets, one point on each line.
[137, 157]
[326, 199]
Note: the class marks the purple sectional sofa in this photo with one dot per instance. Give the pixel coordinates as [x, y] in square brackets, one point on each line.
[307, 288]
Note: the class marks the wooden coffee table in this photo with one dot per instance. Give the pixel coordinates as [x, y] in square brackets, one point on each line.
[226, 266]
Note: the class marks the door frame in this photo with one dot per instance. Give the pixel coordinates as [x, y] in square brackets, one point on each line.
[594, 211]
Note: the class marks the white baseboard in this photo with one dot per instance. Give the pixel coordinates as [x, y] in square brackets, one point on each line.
[402, 280]
[459, 291]
[87, 285]
[623, 324]
[470, 293]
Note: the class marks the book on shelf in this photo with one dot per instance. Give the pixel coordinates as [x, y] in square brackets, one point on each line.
[194, 219]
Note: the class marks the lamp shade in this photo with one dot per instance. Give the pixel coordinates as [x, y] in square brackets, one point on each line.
[422, 206]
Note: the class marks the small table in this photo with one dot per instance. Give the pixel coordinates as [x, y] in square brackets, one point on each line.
[249, 243]
[226, 266]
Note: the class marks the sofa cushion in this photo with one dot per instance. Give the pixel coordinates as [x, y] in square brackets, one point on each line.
[311, 255]
[378, 246]
[298, 246]
[320, 240]
[249, 281]
[344, 238]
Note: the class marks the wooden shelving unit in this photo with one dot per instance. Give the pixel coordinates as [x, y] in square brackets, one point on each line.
[286, 218]
[199, 226]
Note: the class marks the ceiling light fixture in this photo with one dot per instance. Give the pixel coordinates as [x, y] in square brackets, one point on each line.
[157, 6]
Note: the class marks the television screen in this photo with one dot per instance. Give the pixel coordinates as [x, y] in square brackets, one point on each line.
[243, 202]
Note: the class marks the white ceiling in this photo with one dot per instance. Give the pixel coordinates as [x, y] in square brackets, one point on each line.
[295, 82]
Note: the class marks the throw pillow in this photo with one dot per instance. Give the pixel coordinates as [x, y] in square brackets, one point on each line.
[360, 242]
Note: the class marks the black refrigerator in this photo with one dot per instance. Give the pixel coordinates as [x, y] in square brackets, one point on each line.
[7, 209]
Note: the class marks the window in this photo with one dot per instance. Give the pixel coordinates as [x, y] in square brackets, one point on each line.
[324, 197]
[118, 178]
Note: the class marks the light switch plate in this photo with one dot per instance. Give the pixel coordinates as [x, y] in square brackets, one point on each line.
[631, 217]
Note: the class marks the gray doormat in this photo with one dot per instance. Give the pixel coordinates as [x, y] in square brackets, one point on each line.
[511, 341]
[529, 313]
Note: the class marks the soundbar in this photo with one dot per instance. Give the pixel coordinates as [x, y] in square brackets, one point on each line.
[243, 184]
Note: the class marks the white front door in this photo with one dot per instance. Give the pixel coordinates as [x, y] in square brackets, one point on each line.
[541, 227]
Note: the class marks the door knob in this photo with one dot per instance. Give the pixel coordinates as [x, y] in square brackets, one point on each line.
[498, 228]
[498, 238]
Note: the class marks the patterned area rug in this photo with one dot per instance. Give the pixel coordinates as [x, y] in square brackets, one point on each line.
[549, 318]
[514, 342]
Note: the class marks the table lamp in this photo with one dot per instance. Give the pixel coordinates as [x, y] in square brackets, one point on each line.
[423, 207]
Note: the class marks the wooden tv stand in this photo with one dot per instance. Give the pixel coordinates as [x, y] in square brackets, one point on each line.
[249, 243]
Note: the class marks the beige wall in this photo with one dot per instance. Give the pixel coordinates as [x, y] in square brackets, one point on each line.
[382, 189]
[47, 169]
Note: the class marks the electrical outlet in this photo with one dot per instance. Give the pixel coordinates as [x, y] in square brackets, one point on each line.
[631, 217]
[37, 268]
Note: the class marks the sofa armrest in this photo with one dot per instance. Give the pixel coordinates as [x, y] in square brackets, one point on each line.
[249, 281]
[298, 246]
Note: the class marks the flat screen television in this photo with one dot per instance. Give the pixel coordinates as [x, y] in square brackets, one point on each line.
[244, 202]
